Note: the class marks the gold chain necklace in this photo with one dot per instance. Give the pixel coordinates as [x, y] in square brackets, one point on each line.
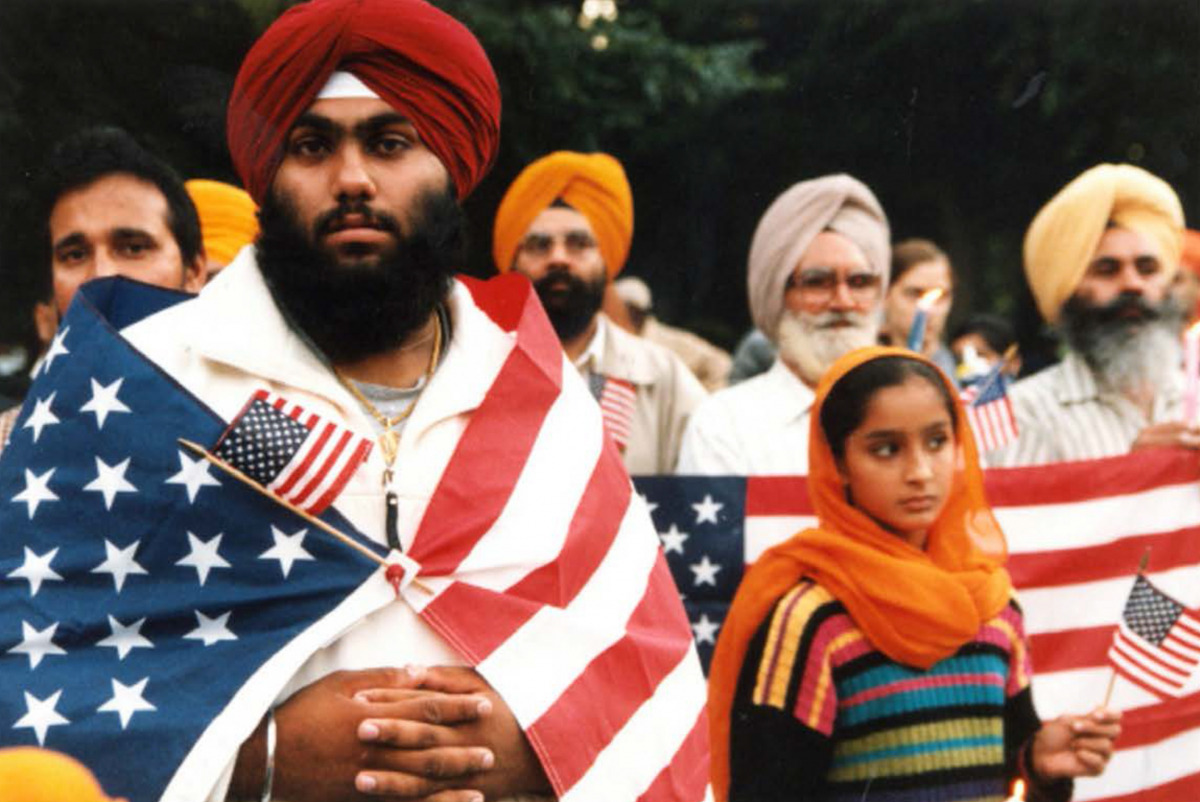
[389, 441]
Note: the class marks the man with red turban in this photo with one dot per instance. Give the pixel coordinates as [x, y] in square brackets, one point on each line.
[566, 223]
[521, 561]
[1100, 257]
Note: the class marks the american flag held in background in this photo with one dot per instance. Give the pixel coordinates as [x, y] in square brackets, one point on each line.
[1157, 644]
[616, 398]
[291, 452]
[989, 411]
[1075, 533]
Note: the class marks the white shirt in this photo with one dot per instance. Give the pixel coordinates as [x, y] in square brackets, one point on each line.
[759, 426]
[1063, 415]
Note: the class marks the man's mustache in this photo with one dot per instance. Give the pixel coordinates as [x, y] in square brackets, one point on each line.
[335, 219]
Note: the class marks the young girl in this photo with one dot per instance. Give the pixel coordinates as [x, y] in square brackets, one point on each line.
[881, 656]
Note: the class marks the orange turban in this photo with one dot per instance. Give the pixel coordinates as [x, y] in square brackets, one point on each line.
[228, 217]
[594, 184]
[40, 775]
[419, 59]
[1064, 235]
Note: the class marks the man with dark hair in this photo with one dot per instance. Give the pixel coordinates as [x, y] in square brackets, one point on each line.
[105, 206]
[489, 656]
[109, 207]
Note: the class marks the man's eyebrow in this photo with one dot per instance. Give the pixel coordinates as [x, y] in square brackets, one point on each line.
[372, 124]
[74, 238]
[316, 121]
[127, 233]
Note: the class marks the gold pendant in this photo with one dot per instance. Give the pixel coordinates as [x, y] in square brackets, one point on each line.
[389, 442]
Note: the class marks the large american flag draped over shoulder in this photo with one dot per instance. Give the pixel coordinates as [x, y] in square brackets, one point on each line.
[1076, 532]
[140, 591]
[591, 649]
[135, 650]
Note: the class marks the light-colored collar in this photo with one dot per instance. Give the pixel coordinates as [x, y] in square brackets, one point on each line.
[593, 355]
[787, 384]
[1079, 384]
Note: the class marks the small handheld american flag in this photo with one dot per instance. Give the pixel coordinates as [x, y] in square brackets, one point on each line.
[616, 398]
[293, 453]
[1157, 643]
[989, 411]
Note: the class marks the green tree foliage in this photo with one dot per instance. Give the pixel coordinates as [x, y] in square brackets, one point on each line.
[964, 116]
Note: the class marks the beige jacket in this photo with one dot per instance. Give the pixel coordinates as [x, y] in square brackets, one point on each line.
[708, 362]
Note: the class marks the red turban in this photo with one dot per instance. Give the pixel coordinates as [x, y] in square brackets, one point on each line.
[421, 61]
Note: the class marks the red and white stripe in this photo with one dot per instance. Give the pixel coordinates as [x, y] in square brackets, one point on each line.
[322, 465]
[992, 423]
[617, 405]
[1163, 669]
[1076, 532]
[584, 637]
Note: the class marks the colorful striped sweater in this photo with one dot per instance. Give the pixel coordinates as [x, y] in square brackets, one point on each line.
[820, 714]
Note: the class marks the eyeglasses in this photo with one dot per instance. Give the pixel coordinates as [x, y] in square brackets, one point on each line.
[818, 284]
[576, 242]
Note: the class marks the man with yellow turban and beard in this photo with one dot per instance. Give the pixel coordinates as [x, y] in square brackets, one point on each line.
[818, 272]
[1100, 258]
[488, 656]
[566, 223]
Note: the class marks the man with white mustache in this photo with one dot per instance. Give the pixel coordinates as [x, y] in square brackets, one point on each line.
[817, 276]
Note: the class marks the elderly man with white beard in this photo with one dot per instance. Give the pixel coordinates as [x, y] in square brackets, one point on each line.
[1100, 257]
[817, 276]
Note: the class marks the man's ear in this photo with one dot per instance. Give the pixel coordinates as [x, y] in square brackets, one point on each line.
[195, 274]
[45, 320]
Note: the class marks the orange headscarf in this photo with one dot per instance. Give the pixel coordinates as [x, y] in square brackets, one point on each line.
[915, 606]
[594, 184]
[41, 775]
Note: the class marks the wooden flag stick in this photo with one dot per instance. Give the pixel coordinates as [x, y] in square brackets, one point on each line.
[312, 519]
[1112, 680]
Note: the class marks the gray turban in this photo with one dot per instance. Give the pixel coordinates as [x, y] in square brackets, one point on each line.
[830, 203]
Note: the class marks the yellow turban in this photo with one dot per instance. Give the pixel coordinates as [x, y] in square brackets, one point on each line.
[1063, 237]
[594, 184]
[40, 775]
[228, 220]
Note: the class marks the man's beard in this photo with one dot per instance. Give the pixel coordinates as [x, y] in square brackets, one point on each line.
[1129, 344]
[570, 302]
[352, 310]
[810, 344]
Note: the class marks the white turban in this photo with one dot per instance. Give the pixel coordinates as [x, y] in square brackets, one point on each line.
[831, 203]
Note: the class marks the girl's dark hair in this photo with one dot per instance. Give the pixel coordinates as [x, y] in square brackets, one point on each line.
[846, 405]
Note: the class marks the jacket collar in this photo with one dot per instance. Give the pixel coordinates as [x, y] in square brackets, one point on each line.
[1078, 384]
[625, 356]
[784, 383]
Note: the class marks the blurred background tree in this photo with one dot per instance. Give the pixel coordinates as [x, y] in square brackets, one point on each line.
[963, 116]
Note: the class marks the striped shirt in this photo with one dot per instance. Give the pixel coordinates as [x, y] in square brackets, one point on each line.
[1063, 415]
[820, 714]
